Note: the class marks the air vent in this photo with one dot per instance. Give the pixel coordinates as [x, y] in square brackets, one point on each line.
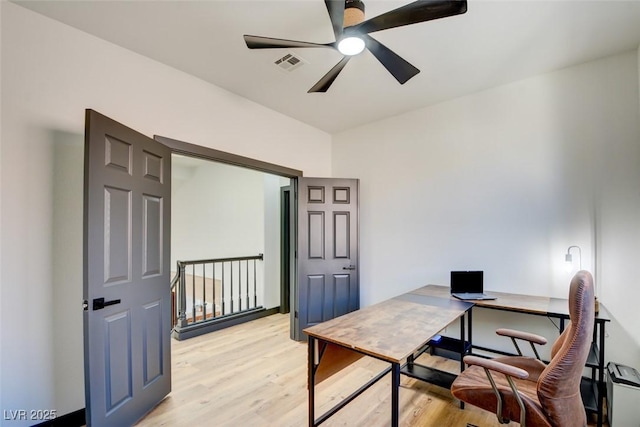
[289, 62]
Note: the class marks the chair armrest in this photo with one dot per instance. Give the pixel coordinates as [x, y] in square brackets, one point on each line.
[509, 371]
[493, 365]
[512, 333]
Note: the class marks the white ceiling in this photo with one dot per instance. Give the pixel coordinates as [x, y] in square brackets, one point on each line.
[494, 43]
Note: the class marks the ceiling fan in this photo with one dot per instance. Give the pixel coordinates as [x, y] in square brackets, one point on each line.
[352, 34]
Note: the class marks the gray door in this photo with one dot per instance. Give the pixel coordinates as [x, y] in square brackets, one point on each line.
[327, 245]
[127, 317]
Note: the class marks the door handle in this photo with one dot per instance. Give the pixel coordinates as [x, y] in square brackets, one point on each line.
[351, 267]
[100, 303]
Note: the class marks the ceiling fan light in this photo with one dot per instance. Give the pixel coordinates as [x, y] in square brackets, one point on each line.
[351, 46]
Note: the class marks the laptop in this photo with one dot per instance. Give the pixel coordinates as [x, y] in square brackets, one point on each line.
[468, 285]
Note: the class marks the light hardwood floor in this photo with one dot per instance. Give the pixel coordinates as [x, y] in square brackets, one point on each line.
[254, 375]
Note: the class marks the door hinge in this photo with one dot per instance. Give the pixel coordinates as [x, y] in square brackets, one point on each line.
[85, 305]
[295, 314]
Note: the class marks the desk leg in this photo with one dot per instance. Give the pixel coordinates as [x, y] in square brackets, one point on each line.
[469, 323]
[462, 350]
[311, 380]
[601, 386]
[395, 394]
[462, 338]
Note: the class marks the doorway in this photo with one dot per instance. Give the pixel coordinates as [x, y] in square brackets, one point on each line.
[229, 207]
[324, 229]
[285, 249]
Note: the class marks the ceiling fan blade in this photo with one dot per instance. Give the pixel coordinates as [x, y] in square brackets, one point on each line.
[398, 67]
[336, 13]
[418, 11]
[259, 42]
[325, 82]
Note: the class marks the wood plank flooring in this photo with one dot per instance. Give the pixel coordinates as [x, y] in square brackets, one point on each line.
[254, 375]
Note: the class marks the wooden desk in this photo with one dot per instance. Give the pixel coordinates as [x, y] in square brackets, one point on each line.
[594, 389]
[392, 331]
[398, 329]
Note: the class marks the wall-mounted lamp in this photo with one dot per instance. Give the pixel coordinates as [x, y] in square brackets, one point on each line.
[569, 265]
[568, 258]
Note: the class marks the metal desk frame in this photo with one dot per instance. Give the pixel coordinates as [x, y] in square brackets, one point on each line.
[400, 364]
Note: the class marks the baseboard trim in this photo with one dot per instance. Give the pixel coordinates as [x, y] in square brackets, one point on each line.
[225, 322]
[72, 419]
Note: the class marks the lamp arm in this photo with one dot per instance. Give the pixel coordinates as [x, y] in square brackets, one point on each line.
[579, 254]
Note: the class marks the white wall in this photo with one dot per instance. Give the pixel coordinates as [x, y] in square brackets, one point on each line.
[218, 213]
[50, 74]
[619, 237]
[504, 181]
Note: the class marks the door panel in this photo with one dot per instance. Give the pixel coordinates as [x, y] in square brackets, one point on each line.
[152, 345]
[327, 242]
[118, 363]
[316, 235]
[341, 223]
[127, 319]
[316, 292]
[152, 236]
[117, 235]
[342, 294]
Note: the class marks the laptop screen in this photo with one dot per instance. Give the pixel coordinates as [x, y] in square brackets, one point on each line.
[466, 281]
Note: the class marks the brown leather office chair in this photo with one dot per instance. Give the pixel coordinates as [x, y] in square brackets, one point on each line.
[527, 391]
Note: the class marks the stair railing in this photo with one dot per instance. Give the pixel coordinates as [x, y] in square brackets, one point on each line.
[208, 290]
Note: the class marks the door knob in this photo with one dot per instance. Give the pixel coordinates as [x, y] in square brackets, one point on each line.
[100, 303]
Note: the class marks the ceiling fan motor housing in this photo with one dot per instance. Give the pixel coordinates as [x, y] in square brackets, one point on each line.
[353, 12]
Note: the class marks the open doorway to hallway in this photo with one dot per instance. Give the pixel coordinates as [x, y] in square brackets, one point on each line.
[226, 244]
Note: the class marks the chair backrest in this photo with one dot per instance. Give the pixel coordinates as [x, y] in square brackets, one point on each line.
[559, 383]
